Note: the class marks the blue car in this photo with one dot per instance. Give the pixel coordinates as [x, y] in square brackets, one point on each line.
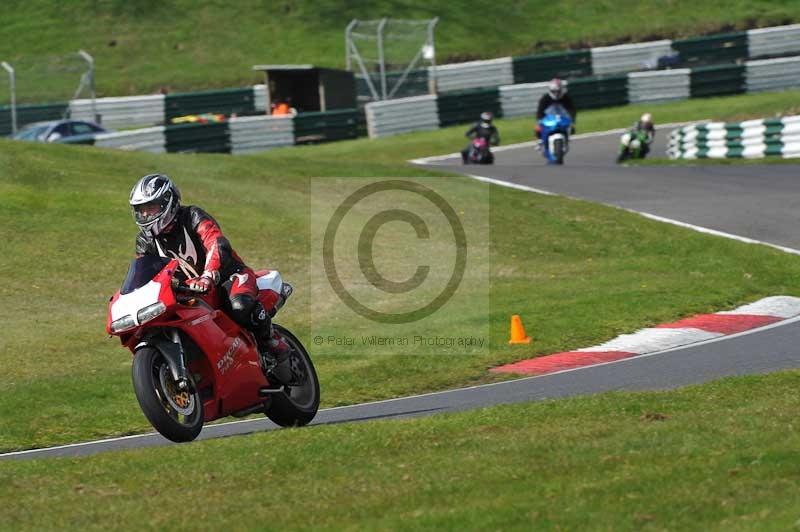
[58, 131]
[556, 125]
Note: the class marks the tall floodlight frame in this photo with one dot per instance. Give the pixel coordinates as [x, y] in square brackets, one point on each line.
[87, 80]
[13, 86]
[355, 60]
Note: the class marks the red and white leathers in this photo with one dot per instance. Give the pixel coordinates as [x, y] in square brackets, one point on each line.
[207, 258]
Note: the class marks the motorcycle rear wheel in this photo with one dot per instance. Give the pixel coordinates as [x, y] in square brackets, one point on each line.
[176, 415]
[296, 405]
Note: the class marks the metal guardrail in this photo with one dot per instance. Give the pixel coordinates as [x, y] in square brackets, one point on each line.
[260, 133]
[521, 99]
[772, 74]
[474, 74]
[129, 111]
[780, 40]
[629, 57]
[392, 117]
[659, 86]
[151, 139]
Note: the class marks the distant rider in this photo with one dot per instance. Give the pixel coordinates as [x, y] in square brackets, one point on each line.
[645, 125]
[189, 234]
[556, 94]
[483, 128]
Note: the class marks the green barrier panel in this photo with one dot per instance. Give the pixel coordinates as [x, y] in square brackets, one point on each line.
[415, 84]
[717, 80]
[461, 107]
[599, 91]
[198, 138]
[543, 67]
[310, 128]
[28, 114]
[227, 102]
[714, 49]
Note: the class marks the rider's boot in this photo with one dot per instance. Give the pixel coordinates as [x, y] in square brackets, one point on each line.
[274, 350]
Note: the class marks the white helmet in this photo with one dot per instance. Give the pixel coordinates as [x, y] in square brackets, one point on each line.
[646, 119]
[556, 88]
[155, 201]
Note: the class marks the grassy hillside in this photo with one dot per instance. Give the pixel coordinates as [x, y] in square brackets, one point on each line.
[578, 273]
[722, 456]
[187, 45]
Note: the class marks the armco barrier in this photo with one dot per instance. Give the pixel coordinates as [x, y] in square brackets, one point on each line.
[390, 117]
[542, 67]
[780, 40]
[522, 99]
[28, 114]
[717, 80]
[628, 57]
[466, 106]
[474, 74]
[715, 49]
[772, 74]
[260, 98]
[259, 133]
[198, 138]
[749, 139]
[593, 92]
[310, 128]
[152, 139]
[658, 86]
[415, 84]
[227, 102]
[124, 112]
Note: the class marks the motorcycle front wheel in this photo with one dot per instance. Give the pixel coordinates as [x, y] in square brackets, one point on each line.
[558, 151]
[298, 403]
[175, 414]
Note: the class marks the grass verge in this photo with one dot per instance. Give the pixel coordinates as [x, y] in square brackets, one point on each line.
[186, 45]
[721, 456]
[578, 273]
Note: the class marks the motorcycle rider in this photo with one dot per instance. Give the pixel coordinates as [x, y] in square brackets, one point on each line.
[556, 94]
[189, 234]
[483, 128]
[645, 124]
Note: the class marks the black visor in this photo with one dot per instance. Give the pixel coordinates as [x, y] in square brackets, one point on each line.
[151, 211]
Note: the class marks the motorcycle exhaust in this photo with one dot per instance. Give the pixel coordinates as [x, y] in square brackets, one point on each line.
[257, 409]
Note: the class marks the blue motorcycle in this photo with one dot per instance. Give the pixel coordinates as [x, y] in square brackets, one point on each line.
[556, 125]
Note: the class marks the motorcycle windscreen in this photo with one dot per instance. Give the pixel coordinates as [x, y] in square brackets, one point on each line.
[141, 271]
[557, 109]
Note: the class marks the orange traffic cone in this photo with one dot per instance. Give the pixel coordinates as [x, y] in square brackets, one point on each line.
[518, 335]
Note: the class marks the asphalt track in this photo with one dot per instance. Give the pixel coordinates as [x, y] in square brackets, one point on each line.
[757, 202]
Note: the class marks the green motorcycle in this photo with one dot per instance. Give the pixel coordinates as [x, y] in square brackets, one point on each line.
[634, 144]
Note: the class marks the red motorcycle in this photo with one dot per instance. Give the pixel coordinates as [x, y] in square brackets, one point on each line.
[479, 152]
[193, 364]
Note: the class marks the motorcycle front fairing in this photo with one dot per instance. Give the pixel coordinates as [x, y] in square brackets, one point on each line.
[145, 312]
[555, 124]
